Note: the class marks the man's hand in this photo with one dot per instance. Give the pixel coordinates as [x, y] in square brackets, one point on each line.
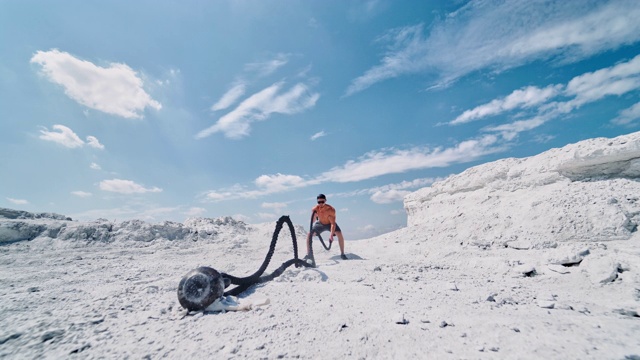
[330, 238]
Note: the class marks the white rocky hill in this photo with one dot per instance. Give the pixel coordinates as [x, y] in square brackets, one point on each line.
[589, 191]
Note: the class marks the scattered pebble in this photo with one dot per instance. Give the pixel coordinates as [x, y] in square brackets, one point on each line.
[400, 319]
[546, 304]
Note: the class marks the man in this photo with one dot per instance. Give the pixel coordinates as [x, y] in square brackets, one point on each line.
[325, 215]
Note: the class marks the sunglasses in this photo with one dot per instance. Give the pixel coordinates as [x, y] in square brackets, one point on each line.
[320, 201]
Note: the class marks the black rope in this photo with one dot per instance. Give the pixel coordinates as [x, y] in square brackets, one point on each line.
[319, 236]
[246, 282]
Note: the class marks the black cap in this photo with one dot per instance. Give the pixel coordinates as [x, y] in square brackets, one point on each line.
[321, 196]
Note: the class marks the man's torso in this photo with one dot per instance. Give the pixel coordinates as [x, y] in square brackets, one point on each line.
[325, 213]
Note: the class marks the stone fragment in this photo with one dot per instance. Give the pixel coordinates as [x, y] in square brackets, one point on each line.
[558, 269]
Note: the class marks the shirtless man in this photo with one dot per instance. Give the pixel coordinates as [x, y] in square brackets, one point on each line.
[325, 215]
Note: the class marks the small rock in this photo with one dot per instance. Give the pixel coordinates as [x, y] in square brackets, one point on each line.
[444, 324]
[10, 337]
[492, 298]
[525, 270]
[558, 268]
[453, 286]
[50, 334]
[546, 304]
[601, 270]
[568, 259]
[400, 319]
[519, 245]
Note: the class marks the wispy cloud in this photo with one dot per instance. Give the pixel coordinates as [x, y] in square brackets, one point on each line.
[469, 40]
[371, 165]
[94, 143]
[18, 201]
[277, 207]
[387, 197]
[627, 116]
[557, 100]
[230, 97]
[318, 135]
[63, 136]
[615, 80]
[115, 90]
[82, 194]
[125, 187]
[361, 11]
[380, 191]
[95, 166]
[397, 161]
[522, 98]
[195, 211]
[68, 138]
[260, 106]
[268, 67]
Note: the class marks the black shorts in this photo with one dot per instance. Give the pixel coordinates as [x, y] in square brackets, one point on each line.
[319, 228]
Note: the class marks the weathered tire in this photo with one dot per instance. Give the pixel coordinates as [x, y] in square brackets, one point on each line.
[200, 288]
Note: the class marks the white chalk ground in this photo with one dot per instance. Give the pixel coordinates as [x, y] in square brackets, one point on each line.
[517, 259]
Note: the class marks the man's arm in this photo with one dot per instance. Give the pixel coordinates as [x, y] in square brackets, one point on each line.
[332, 218]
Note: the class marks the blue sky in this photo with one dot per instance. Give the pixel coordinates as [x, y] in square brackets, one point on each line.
[162, 110]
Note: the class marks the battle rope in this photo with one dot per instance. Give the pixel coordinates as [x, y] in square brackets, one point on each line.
[201, 287]
[256, 278]
[319, 236]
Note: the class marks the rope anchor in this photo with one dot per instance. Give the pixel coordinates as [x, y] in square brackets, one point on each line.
[200, 287]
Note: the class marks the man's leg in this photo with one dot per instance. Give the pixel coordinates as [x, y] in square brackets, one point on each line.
[340, 241]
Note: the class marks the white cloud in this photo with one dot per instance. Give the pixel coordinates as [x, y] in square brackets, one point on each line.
[265, 216]
[268, 67]
[387, 197]
[230, 97]
[260, 106]
[589, 87]
[195, 211]
[398, 161]
[318, 135]
[279, 182]
[125, 187]
[276, 206]
[18, 201]
[627, 116]
[371, 165]
[94, 143]
[469, 40]
[615, 80]
[95, 166]
[391, 192]
[404, 57]
[521, 98]
[82, 194]
[64, 136]
[116, 89]
[511, 131]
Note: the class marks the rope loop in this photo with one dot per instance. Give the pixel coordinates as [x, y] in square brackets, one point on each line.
[243, 283]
